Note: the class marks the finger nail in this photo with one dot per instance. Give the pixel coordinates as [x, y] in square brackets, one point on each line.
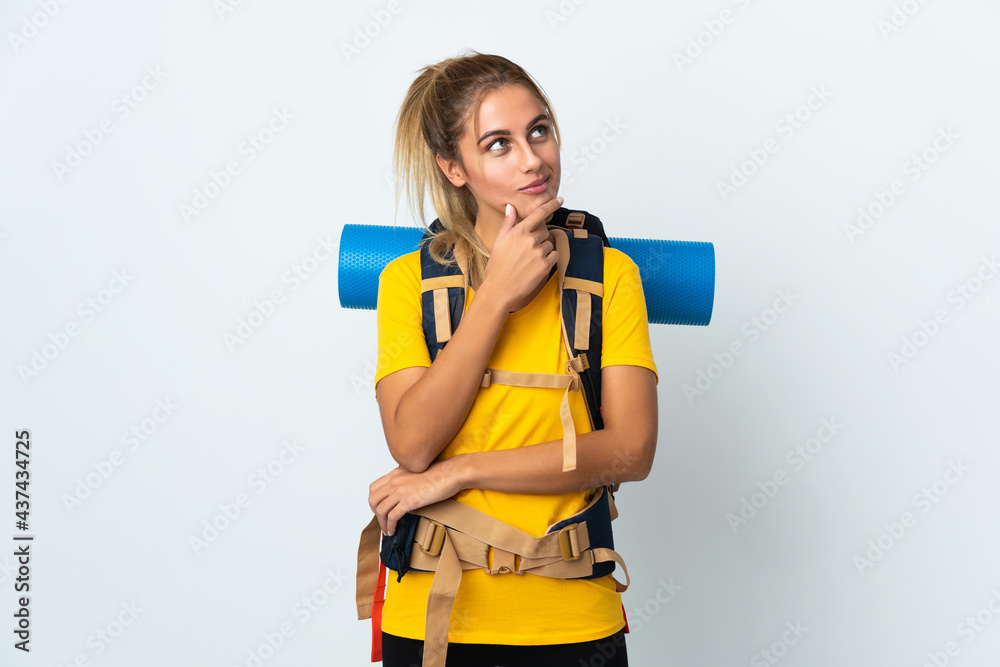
[560, 200]
[506, 211]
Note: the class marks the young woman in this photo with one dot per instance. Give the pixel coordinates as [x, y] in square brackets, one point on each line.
[478, 135]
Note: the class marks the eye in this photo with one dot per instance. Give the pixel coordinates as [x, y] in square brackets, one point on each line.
[498, 141]
[540, 131]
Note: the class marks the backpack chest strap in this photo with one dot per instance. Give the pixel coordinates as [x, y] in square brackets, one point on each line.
[569, 382]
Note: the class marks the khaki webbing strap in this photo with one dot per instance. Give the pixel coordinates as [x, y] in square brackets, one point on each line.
[541, 380]
[569, 434]
[581, 340]
[584, 288]
[489, 530]
[542, 556]
[569, 431]
[580, 233]
[442, 304]
[442, 315]
[575, 219]
[428, 284]
[367, 568]
[444, 588]
[611, 505]
[553, 567]
[586, 285]
[475, 556]
[601, 555]
[562, 247]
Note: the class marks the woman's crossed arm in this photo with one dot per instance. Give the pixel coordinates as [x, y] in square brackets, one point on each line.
[621, 452]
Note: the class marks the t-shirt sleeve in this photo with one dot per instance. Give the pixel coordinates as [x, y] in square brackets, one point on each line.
[400, 331]
[626, 324]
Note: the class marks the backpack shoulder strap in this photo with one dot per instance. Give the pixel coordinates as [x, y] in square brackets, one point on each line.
[582, 293]
[570, 219]
[442, 295]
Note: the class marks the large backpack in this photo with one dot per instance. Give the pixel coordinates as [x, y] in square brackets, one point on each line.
[450, 536]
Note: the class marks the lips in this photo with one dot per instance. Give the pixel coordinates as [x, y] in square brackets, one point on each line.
[536, 186]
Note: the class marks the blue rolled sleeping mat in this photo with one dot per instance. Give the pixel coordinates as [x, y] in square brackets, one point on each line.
[678, 277]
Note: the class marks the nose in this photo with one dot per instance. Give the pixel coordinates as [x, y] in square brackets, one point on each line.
[529, 159]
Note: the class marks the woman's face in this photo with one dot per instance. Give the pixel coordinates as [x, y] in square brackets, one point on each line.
[513, 157]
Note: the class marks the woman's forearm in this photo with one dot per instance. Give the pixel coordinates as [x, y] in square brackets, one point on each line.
[620, 452]
[603, 457]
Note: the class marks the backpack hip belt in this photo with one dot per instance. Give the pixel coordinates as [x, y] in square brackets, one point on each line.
[578, 547]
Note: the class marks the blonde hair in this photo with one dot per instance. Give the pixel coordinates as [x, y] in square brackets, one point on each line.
[431, 121]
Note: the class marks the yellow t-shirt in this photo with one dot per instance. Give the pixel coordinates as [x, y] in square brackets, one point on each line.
[508, 608]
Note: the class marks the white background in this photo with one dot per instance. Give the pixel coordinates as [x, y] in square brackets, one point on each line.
[891, 82]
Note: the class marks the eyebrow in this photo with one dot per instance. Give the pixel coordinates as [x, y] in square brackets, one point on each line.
[504, 133]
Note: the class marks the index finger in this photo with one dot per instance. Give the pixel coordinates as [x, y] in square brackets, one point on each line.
[537, 217]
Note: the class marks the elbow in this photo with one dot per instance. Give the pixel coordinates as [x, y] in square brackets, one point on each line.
[409, 455]
[413, 464]
[643, 451]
